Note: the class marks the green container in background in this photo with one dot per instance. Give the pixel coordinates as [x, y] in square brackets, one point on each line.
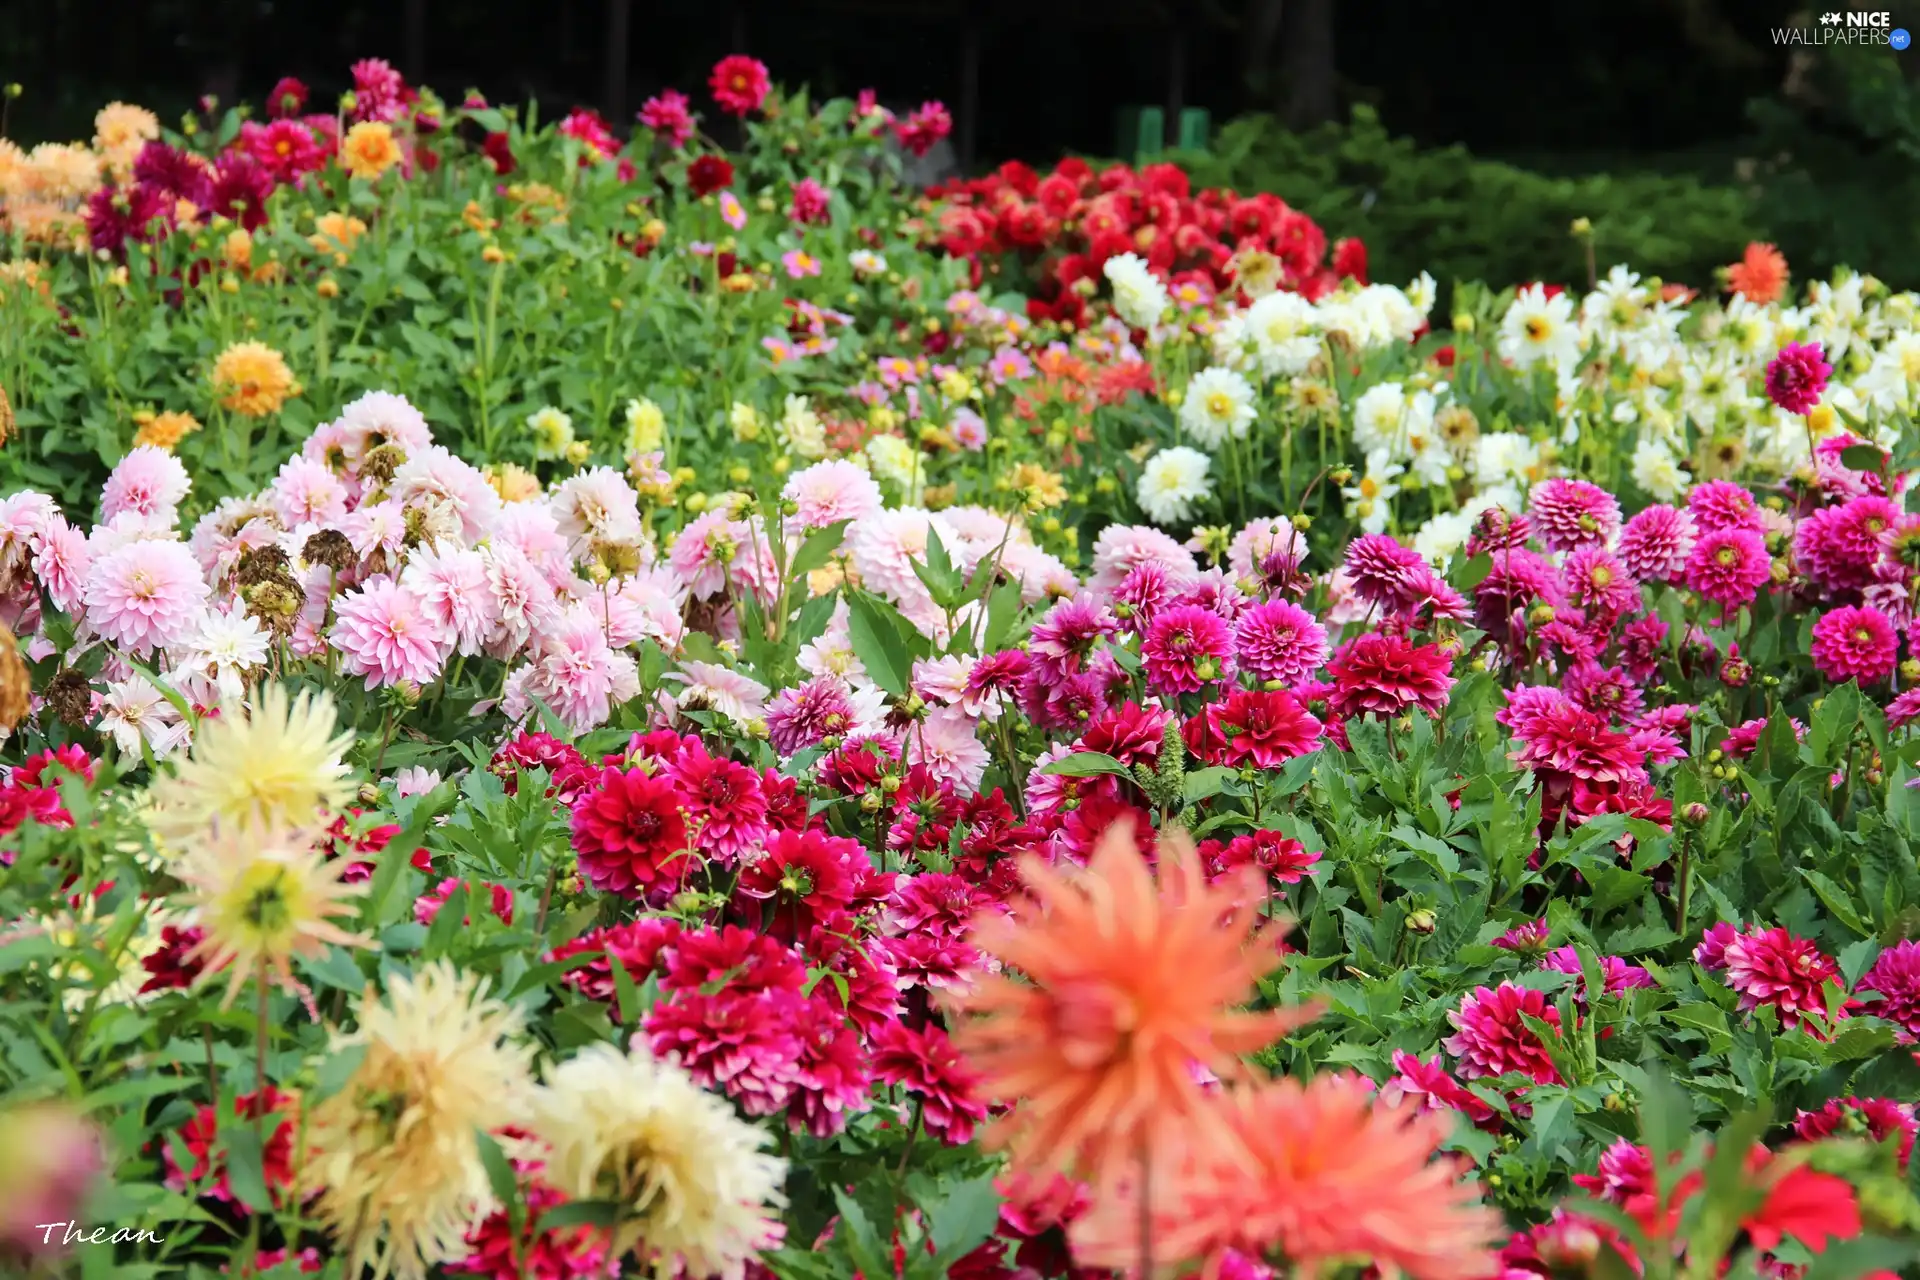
[1142, 131]
[1195, 124]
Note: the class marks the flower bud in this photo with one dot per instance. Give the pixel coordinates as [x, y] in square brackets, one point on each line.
[1695, 814]
[1421, 921]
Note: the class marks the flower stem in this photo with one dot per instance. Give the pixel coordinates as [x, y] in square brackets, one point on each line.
[1146, 1210]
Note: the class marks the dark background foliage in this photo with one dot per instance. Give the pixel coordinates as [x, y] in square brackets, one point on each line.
[1681, 127]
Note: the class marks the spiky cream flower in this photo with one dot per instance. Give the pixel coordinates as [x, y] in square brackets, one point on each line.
[695, 1189]
[392, 1156]
[263, 898]
[277, 765]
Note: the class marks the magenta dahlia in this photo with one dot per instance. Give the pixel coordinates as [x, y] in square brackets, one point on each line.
[1774, 967]
[1838, 546]
[1252, 726]
[1278, 640]
[1491, 1039]
[1728, 566]
[934, 1074]
[1722, 504]
[1855, 643]
[1895, 978]
[1186, 649]
[1427, 1082]
[1876, 1119]
[1598, 583]
[1797, 376]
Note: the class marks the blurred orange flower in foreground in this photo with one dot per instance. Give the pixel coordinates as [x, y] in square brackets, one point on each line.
[1128, 988]
[1760, 276]
[1324, 1172]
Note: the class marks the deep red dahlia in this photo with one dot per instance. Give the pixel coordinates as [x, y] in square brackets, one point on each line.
[833, 1078]
[200, 1136]
[171, 965]
[801, 879]
[926, 1065]
[637, 945]
[1384, 675]
[707, 174]
[732, 957]
[561, 1253]
[1129, 733]
[723, 804]
[630, 832]
[1253, 726]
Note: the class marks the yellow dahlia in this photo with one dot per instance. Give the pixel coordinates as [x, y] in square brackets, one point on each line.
[695, 1189]
[262, 899]
[273, 765]
[252, 378]
[369, 149]
[392, 1155]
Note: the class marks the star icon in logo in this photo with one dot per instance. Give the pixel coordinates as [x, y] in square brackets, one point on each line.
[1830, 19]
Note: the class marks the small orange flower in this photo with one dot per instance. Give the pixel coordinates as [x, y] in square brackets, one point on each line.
[252, 378]
[164, 430]
[369, 149]
[1760, 276]
[1130, 987]
[1321, 1173]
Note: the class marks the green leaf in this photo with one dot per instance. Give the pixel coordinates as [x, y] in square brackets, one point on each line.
[1863, 457]
[335, 1069]
[1836, 899]
[817, 549]
[1856, 958]
[962, 1218]
[1086, 764]
[506, 1187]
[864, 1246]
[1204, 784]
[1473, 572]
[942, 580]
[245, 1171]
[878, 643]
[625, 992]
[398, 853]
[1834, 723]
[579, 1213]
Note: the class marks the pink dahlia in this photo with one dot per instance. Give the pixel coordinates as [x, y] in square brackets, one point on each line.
[669, 114]
[739, 83]
[1618, 975]
[1280, 857]
[379, 92]
[1728, 566]
[828, 492]
[637, 945]
[809, 714]
[1385, 675]
[1904, 710]
[932, 1071]
[145, 594]
[1567, 738]
[1529, 938]
[1427, 1082]
[1655, 543]
[1186, 649]
[1855, 643]
[723, 805]
[1515, 581]
[1711, 954]
[1797, 376]
[1876, 1119]
[1490, 1039]
[1722, 504]
[1278, 640]
[150, 482]
[1130, 733]
[1384, 572]
[1252, 726]
[1895, 978]
[1148, 588]
[1774, 967]
[804, 878]
[832, 1076]
[742, 1043]
[1569, 514]
[924, 127]
[1608, 692]
[809, 203]
[1598, 583]
[1625, 1171]
[384, 632]
[1838, 546]
[630, 834]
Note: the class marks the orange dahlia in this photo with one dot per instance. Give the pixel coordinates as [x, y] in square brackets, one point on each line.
[1128, 987]
[1322, 1174]
[1760, 276]
[369, 149]
[252, 378]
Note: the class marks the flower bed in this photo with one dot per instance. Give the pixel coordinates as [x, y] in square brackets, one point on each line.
[619, 704]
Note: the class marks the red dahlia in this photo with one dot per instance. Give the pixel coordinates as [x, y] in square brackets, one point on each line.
[630, 833]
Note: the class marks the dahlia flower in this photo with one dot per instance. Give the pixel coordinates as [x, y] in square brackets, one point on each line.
[145, 594]
[1797, 375]
[739, 84]
[1895, 978]
[1186, 649]
[1773, 967]
[1490, 1039]
[1855, 643]
[630, 833]
[1570, 514]
[385, 633]
[1655, 543]
[1384, 675]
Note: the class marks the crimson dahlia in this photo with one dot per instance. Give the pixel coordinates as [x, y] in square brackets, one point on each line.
[1385, 675]
[630, 832]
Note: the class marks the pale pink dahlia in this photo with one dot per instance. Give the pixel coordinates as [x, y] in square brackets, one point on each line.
[1855, 643]
[809, 714]
[828, 492]
[308, 492]
[1774, 967]
[1655, 543]
[150, 482]
[384, 632]
[1280, 641]
[145, 594]
[1491, 1039]
[1573, 513]
[1122, 546]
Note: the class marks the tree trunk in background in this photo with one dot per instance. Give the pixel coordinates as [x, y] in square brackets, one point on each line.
[1307, 63]
[1257, 79]
[613, 95]
[417, 41]
[969, 130]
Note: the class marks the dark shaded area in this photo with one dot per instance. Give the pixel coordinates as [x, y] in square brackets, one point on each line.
[1557, 82]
